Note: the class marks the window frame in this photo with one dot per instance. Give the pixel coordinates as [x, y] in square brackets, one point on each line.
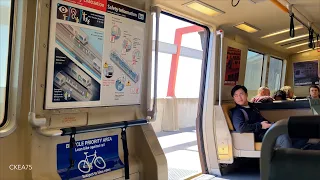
[4, 121]
[18, 35]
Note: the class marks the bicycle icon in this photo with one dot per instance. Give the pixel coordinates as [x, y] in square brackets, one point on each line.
[85, 166]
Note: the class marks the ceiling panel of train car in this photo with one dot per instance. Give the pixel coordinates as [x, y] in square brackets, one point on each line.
[263, 15]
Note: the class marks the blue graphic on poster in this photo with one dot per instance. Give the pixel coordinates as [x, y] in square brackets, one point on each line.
[91, 157]
[119, 85]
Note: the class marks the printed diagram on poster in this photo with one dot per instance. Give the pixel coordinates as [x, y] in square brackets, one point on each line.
[123, 65]
[232, 66]
[95, 54]
[91, 157]
[306, 73]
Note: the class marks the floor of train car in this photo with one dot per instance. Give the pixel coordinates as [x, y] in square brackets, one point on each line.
[181, 150]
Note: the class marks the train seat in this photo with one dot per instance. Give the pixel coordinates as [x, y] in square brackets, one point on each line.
[289, 163]
[241, 141]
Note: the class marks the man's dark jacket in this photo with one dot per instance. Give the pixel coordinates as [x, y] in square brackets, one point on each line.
[253, 124]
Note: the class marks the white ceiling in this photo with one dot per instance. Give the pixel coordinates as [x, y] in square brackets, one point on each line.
[264, 15]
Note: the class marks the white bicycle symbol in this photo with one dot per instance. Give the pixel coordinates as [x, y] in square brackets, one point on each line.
[85, 166]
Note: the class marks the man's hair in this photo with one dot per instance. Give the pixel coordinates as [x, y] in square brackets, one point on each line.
[281, 94]
[237, 87]
[314, 86]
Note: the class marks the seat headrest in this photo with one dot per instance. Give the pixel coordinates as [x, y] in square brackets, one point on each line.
[304, 127]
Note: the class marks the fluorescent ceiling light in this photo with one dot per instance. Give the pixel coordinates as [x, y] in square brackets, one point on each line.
[290, 39]
[299, 45]
[204, 8]
[281, 32]
[246, 27]
[308, 50]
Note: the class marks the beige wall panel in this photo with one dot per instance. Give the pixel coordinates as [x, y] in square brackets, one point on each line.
[15, 148]
[244, 50]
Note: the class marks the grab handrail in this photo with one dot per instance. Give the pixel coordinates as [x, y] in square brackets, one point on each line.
[221, 33]
[151, 114]
[32, 117]
[102, 127]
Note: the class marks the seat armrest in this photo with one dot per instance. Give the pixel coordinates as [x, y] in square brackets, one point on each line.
[243, 141]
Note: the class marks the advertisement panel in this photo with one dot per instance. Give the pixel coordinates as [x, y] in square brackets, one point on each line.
[305, 73]
[232, 66]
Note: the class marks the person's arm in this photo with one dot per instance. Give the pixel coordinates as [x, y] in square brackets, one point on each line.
[241, 125]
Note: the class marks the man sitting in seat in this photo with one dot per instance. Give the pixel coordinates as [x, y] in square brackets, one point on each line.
[247, 119]
[314, 92]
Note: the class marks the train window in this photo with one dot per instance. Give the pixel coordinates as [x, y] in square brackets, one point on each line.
[274, 75]
[176, 32]
[5, 47]
[253, 76]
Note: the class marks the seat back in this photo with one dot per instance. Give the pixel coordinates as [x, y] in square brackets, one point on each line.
[295, 164]
[315, 106]
[226, 112]
[288, 163]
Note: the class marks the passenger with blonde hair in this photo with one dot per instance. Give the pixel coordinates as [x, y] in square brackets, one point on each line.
[262, 96]
[289, 92]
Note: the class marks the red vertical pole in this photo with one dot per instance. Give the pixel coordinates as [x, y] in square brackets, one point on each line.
[175, 57]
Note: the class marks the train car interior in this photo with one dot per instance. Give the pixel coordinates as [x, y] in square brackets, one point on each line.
[141, 89]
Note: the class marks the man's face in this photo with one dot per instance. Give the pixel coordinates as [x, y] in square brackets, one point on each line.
[314, 92]
[240, 97]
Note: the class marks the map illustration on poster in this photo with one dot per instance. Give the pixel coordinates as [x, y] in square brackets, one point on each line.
[232, 66]
[305, 73]
[91, 157]
[95, 54]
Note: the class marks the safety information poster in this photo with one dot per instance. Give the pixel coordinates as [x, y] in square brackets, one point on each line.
[95, 54]
[91, 157]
